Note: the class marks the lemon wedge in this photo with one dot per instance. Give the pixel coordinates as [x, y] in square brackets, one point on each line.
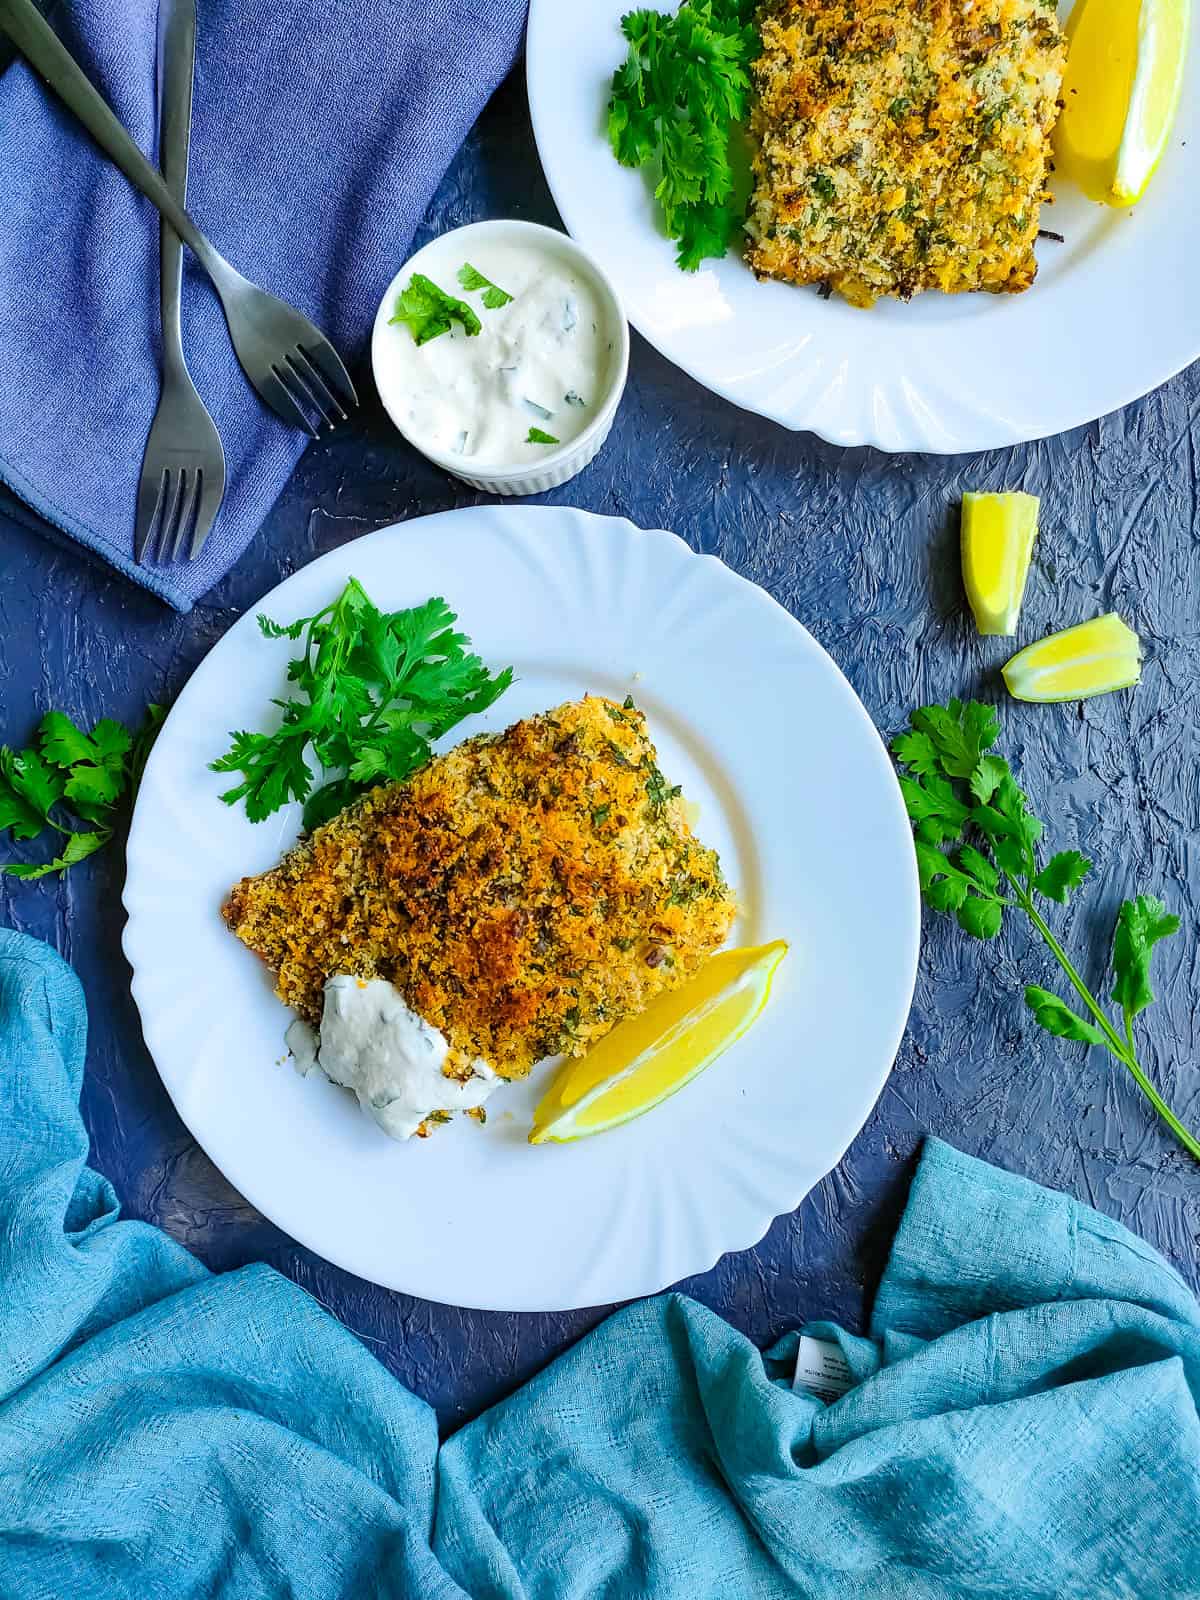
[1121, 90]
[649, 1057]
[1093, 658]
[998, 531]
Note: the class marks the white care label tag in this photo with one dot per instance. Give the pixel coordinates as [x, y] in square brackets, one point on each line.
[821, 1369]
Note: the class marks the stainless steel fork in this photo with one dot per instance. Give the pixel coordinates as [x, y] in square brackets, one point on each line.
[183, 470]
[293, 366]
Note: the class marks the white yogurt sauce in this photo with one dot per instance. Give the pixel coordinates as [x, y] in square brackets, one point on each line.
[542, 361]
[373, 1043]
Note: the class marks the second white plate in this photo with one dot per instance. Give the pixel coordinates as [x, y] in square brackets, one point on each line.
[1113, 313]
[794, 789]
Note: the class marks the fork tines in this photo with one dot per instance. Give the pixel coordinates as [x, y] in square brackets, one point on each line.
[311, 387]
[170, 511]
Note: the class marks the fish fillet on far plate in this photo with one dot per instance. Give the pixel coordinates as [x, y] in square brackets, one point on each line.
[903, 147]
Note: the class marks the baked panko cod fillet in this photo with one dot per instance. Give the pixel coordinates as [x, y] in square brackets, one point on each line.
[903, 146]
[522, 893]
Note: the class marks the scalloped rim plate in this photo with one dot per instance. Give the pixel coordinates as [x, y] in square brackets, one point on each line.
[794, 788]
[1114, 311]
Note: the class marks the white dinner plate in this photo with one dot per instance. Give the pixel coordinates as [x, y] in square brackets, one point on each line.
[1113, 313]
[795, 790]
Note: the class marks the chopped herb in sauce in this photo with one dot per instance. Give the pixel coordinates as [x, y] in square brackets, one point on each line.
[493, 295]
[537, 436]
[428, 311]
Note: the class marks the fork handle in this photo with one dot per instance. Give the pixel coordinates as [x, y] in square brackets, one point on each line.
[176, 57]
[50, 58]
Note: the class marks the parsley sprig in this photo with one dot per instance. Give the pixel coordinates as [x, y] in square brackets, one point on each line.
[675, 99]
[977, 857]
[374, 691]
[68, 778]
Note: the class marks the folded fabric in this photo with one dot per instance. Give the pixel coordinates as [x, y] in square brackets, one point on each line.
[1023, 1424]
[319, 134]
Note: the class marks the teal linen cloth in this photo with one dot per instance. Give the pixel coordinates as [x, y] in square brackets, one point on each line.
[1024, 1423]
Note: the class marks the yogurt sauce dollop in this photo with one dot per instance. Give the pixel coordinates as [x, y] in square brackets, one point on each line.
[543, 361]
[372, 1042]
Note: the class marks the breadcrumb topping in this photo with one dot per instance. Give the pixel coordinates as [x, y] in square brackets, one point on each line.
[903, 147]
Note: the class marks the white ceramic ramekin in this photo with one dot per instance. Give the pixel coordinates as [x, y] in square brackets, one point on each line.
[557, 466]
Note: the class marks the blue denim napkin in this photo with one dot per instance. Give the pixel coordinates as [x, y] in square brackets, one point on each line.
[320, 131]
[1023, 1424]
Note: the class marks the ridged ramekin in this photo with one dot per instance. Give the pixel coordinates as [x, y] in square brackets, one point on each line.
[561, 464]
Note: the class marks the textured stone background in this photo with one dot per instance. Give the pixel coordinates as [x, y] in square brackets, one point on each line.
[861, 547]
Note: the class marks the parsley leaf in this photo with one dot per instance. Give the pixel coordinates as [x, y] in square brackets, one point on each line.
[536, 436]
[428, 312]
[959, 734]
[982, 919]
[934, 800]
[1061, 874]
[1141, 923]
[977, 844]
[1056, 1017]
[63, 743]
[493, 295]
[916, 751]
[34, 780]
[374, 690]
[95, 786]
[17, 811]
[675, 99]
[77, 848]
[986, 777]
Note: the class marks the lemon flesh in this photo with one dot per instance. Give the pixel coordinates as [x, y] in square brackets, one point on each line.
[1093, 658]
[998, 531]
[647, 1058]
[1121, 90]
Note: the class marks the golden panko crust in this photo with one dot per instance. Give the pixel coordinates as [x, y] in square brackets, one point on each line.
[523, 892]
[902, 147]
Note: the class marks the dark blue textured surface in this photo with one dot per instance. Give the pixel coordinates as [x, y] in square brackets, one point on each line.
[862, 548]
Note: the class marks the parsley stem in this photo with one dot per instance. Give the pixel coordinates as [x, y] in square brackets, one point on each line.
[1190, 1144]
[1123, 1049]
[1187, 1140]
[1115, 1042]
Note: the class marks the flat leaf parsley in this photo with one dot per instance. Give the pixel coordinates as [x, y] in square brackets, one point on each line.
[375, 690]
[956, 791]
[538, 436]
[675, 100]
[69, 778]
